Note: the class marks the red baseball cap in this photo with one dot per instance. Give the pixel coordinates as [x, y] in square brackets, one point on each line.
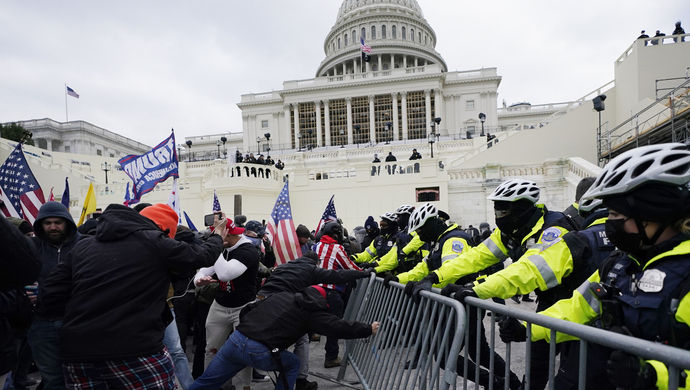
[232, 229]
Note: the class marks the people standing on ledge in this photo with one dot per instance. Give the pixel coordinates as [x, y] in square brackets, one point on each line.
[415, 155]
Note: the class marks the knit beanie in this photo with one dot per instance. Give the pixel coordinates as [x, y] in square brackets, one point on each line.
[163, 216]
[370, 223]
[652, 202]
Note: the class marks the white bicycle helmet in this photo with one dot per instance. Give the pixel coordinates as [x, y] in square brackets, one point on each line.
[514, 190]
[663, 163]
[390, 216]
[405, 209]
[421, 215]
[587, 205]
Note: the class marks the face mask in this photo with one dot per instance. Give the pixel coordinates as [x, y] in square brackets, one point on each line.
[387, 229]
[255, 241]
[627, 242]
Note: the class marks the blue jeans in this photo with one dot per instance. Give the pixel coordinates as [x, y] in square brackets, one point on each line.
[171, 339]
[44, 339]
[239, 352]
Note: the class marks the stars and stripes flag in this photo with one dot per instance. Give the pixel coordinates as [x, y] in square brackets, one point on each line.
[328, 215]
[216, 203]
[19, 190]
[174, 200]
[366, 50]
[71, 92]
[282, 229]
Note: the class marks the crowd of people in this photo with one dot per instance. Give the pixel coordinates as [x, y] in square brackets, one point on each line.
[249, 158]
[677, 31]
[108, 304]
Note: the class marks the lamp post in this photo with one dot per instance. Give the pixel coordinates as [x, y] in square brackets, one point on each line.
[433, 135]
[189, 150]
[218, 145]
[482, 118]
[599, 106]
[258, 145]
[225, 151]
[389, 127]
[268, 145]
[106, 167]
[299, 142]
[310, 146]
[342, 141]
[357, 127]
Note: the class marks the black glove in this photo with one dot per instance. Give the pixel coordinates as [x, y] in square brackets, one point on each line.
[629, 371]
[423, 285]
[389, 278]
[364, 274]
[368, 265]
[512, 330]
[409, 287]
[461, 292]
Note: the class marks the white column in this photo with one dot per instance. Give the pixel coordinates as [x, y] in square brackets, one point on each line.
[416, 62]
[392, 66]
[287, 131]
[403, 103]
[295, 109]
[344, 69]
[245, 130]
[49, 144]
[427, 101]
[380, 68]
[349, 119]
[355, 68]
[394, 99]
[404, 61]
[438, 104]
[327, 118]
[372, 120]
[317, 109]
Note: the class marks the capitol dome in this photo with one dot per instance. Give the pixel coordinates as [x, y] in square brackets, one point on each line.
[396, 30]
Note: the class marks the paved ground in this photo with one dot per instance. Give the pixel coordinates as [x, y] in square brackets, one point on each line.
[316, 359]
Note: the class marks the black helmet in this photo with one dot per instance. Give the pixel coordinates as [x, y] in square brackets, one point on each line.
[333, 229]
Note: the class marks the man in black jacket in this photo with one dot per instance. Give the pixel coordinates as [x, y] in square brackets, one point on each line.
[112, 289]
[274, 324]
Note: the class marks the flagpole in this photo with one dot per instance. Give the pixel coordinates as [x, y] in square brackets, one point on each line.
[66, 113]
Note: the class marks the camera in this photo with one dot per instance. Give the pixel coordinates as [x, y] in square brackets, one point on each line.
[208, 219]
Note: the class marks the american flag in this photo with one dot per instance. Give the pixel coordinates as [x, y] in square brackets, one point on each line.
[51, 197]
[328, 215]
[174, 201]
[282, 229]
[216, 203]
[365, 48]
[19, 190]
[71, 92]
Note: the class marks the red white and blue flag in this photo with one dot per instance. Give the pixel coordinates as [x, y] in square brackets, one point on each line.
[174, 201]
[328, 215]
[282, 229]
[365, 48]
[20, 193]
[128, 198]
[71, 92]
[216, 203]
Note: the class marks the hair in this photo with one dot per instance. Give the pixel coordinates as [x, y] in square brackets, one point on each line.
[683, 225]
[141, 206]
[583, 186]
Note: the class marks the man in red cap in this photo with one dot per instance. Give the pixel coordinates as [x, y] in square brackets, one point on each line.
[268, 328]
[112, 290]
[236, 271]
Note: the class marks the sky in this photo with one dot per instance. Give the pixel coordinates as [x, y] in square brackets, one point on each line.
[144, 67]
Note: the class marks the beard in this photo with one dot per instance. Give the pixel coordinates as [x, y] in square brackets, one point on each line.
[57, 237]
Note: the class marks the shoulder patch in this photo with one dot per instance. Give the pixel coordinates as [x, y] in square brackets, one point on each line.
[458, 246]
[550, 235]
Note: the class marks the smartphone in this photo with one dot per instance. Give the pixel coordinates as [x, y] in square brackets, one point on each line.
[208, 219]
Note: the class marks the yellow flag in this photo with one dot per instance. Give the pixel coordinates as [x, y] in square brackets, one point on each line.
[89, 204]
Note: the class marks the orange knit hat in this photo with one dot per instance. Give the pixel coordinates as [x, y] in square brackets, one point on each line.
[163, 216]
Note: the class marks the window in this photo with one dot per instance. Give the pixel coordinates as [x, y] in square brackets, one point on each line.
[469, 105]
[112, 154]
[383, 32]
[471, 129]
[354, 37]
[338, 43]
[394, 32]
[264, 123]
[425, 40]
[364, 33]
[420, 37]
[403, 33]
[429, 194]
[373, 32]
[67, 149]
[99, 152]
[346, 42]
[412, 34]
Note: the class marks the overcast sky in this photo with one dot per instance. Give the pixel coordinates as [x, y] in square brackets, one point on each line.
[144, 67]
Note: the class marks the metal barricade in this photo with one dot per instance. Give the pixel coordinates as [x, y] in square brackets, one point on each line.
[415, 342]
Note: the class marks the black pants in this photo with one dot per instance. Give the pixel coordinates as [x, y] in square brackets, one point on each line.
[596, 377]
[200, 314]
[539, 361]
[336, 306]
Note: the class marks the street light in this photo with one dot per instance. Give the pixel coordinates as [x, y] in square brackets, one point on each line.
[189, 150]
[218, 145]
[482, 118]
[433, 135]
[225, 151]
[299, 142]
[389, 127]
[310, 146]
[106, 167]
[357, 127]
[342, 141]
[599, 106]
[268, 146]
[258, 145]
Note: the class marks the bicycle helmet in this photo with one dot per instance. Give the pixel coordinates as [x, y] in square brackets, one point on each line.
[405, 209]
[588, 205]
[514, 190]
[421, 215]
[663, 163]
[392, 217]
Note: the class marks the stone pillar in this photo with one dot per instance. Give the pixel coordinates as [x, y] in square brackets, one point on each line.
[245, 130]
[404, 61]
[295, 109]
[438, 104]
[394, 100]
[372, 120]
[348, 100]
[392, 66]
[287, 130]
[344, 69]
[403, 104]
[416, 60]
[380, 67]
[427, 106]
[317, 109]
[327, 118]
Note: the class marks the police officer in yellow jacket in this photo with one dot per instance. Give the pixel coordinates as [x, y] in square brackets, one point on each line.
[382, 244]
[406, 253]
[524, 228]
[643, 290]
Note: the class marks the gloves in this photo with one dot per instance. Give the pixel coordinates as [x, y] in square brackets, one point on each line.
[409, 287]
[629, 371]
[413, 289]
[368, 265]
[512, 330]
[389, 278]
[461, 292]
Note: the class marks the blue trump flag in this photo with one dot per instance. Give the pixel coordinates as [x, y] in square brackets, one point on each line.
[65, 195]
[151, 168]
[189, 221]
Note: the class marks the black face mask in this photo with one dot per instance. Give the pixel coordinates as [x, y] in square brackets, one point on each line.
[390, 228]
[511, 223]
[627, 242]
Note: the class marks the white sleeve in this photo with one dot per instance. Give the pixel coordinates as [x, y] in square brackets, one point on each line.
[228, 270]
[206, 271]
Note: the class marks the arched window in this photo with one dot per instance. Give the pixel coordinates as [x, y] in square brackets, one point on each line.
[420, 37]
[403, 33]
[354, 37]
[364, 33]
[412, 34]
[338, 43]
[346, 40]
[394, 32]
[373, 32]
[383, 32]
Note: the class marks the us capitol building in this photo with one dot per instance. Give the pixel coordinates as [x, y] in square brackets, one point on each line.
[326, 130]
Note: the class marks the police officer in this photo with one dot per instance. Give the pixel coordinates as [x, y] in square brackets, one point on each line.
[642, 289]
[522, 224]
[381, 244]
[406, 253]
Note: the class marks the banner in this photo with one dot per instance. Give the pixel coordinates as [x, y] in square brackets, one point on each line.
[151, 168]
[89, 204]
